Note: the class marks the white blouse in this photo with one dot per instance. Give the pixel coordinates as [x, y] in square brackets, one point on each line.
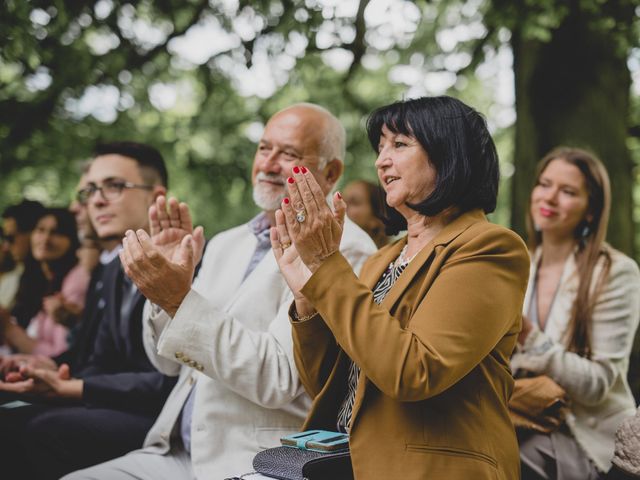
[598, 388]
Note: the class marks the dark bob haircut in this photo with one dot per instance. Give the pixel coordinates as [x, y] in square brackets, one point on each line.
[150, 161]
[459, 146]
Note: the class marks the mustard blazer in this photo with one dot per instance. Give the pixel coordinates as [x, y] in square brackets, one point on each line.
[432, 396]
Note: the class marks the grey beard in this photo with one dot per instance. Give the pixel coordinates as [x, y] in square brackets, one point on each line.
[265, 200]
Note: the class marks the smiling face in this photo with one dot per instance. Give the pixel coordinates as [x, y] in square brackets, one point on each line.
[404, 170]
[560, 200]
[292, 137]
[112, 218]
[47, 243]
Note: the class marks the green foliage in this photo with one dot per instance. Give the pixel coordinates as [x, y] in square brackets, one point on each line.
[76, 73]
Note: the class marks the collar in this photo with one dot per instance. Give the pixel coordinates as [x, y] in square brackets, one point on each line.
[107, 256]
[259, 224]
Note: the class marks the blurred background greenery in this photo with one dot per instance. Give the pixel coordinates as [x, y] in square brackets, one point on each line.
[199, 78]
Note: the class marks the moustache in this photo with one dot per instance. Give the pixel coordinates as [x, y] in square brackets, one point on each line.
[270, 177]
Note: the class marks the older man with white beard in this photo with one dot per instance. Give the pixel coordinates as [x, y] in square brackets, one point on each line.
[228, 335]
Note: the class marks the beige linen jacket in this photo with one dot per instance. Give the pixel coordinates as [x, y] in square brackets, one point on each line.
[598, 388]
[231, 338]
[434, 356]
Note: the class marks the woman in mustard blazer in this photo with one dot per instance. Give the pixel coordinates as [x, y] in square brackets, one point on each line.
[412, 357]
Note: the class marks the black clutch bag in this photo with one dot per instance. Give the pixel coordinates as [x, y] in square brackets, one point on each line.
[288, 463]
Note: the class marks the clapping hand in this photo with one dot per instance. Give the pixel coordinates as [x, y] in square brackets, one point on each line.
[306, 233]
[313, 227]
[169, 223]
[293, 269]
[162, 265]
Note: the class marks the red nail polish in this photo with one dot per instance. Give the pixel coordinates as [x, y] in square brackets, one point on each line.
[296, 170]
[290, 180]
[339, 195]
[304, 170]
[286, 201]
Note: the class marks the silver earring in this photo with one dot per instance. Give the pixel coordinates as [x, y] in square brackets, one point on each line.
[585, 231]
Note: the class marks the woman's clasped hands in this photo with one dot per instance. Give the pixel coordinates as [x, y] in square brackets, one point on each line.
[307, 231]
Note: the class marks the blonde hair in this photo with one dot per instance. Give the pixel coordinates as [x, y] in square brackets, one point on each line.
[590, 238]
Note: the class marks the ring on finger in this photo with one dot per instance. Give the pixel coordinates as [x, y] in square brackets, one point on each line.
[285, 245]
[301, 215]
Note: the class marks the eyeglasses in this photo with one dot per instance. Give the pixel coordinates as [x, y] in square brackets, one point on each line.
[110, 190]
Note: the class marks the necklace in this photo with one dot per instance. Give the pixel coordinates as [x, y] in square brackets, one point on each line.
[402, 258]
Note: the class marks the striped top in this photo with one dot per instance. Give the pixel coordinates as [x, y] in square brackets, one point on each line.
[382, 288]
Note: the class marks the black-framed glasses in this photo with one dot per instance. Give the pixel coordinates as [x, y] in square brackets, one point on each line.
[110, 190]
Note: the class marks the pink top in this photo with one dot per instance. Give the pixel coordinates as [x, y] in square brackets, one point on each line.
[51, 337]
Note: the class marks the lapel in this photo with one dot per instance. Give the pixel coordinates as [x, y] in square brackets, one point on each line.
[533, 271]
[266, 265]
[246, 246]
[111, 294]
[425, 257]
[422, 260]
[126, 318]
[226, 260]
[265, 282]
[380, 261]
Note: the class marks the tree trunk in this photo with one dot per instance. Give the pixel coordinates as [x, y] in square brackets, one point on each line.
[574, 91]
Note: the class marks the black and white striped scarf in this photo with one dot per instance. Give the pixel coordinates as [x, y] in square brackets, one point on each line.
[388, 279]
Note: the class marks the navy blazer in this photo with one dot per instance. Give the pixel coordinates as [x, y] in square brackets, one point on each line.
[116, 371]
[83, 335]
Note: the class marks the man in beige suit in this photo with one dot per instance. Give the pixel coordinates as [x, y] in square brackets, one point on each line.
[228, 336]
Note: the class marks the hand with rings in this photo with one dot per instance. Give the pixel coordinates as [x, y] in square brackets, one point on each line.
[294, 271]
[311, 225]
[301, 215]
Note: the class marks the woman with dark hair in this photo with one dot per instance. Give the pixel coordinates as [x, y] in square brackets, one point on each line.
[56, 289]
[582, 309]
[411, 359]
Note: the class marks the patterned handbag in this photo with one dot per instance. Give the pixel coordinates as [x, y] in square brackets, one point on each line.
[288, 463]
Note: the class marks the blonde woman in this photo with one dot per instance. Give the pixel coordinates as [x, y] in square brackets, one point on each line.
[580, 315]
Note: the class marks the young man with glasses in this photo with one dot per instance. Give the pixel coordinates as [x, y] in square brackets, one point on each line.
[120, 189]
[108, 394]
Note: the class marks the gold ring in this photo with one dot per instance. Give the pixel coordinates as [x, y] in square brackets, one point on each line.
[285, 245]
